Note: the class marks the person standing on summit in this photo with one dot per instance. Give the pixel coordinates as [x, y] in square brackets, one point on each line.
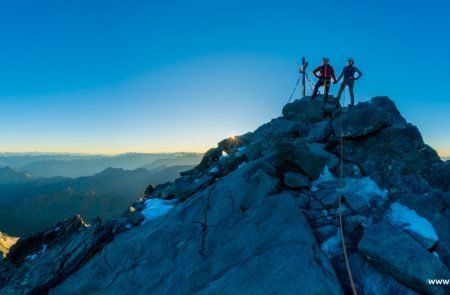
[349, 80]
[326, 73]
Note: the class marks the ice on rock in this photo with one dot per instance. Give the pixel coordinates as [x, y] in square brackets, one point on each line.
[410, 221]
[364, 187]
[325, 176]
[214, 169]
[155, 208]
[35, 255]
[332, 245]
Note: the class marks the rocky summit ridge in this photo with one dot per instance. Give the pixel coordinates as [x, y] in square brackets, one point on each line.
[260, 215]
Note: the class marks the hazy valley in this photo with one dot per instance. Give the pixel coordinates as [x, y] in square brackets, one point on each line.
[31, 202]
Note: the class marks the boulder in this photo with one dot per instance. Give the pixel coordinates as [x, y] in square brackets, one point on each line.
[329, 198]
[302, 200]
[39, 262]
[276, 132]
[329, 184]
[440, 175]
[260, 185]
[149, 190]
[352, 222]
[319, 131]
[325, 232]
[331, 160]
[305, 109]
[369, 280]
[296, 180]
[367, 117]
[298, 158]
[184, 187]
[355, 201]
[391, 154]
[417, 226]
[331, 201]
[434, 209]
[134, 217]
[396, 253]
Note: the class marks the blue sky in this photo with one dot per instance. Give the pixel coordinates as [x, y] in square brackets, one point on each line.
[147, 76]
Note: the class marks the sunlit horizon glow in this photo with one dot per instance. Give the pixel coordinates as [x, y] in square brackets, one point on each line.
[112, 152]
[146, 77]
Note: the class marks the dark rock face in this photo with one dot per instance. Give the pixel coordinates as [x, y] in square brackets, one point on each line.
[278, 249]
[440, 176]
[298, 158]
[296, 180]
[396, 253]
[368, 117]
[39, 262]
[304, 109]
[261, 215]
[370, 281]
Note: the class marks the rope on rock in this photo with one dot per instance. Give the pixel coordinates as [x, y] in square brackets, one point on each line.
[344, 247]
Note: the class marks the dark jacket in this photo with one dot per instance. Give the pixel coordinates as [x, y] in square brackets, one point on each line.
[349, 73]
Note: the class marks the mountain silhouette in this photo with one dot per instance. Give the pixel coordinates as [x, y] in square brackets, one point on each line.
[31, 204]
[261, 214]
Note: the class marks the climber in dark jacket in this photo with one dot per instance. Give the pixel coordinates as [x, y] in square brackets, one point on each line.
[326, 73]
[349, 80]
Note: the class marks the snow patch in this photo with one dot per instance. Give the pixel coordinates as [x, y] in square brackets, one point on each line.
[155, 208]
[214, 169]
[364, 187]
[409, 220]
[44, 248]
[224, 155]
[325, 176]
[31, 257]
[332, 245]
[35, 255]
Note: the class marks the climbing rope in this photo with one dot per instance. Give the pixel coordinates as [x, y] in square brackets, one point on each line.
[298, 81]
[295, 88]
[347, 264]
[309, 82]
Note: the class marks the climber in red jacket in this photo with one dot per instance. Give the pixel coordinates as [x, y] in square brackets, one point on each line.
[326, 73]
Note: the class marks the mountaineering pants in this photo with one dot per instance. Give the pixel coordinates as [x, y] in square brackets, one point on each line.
[322, 82]
[350, 83]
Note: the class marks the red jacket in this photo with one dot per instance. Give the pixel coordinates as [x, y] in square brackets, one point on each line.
[326, 71]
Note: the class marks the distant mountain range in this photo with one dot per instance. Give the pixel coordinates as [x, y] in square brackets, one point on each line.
[74, 165]
[30, 203]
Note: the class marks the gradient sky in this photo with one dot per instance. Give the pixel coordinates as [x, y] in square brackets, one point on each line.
[147, 76]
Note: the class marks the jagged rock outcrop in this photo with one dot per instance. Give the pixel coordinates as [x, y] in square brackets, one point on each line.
[260, 215]
[394, 251]
[40, 261]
